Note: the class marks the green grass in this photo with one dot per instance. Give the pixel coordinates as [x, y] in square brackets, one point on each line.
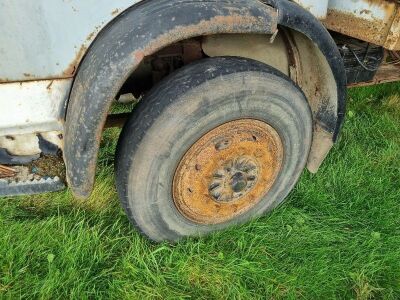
[337, 236]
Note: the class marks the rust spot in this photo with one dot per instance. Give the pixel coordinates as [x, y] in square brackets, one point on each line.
[393, 40]
[72, 67]
[70, 71]
[115, 12]
[192, 51]
[139, 56]
[49, 85]
[365, 12]
[6, 172]
[90, 36]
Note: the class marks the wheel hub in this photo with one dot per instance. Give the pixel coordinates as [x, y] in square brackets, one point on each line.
[228, 171]
[236, 178]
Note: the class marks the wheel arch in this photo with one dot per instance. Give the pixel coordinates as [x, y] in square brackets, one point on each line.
[328, 100]
[123, 44]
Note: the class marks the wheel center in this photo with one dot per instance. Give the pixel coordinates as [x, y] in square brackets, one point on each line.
[234, 179]
[238, 182]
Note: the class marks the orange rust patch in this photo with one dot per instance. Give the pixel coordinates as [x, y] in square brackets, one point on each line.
[139, 56]
[228, 171]
[365, 11]
[363, 24]
[70, 71]
[393, 39]
[115, 12]
[90, 36]
[6, 172]
[207, 27]
[374, 31]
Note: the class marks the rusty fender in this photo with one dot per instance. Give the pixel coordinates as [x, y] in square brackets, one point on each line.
[293, 16]
[330, 103]
[150, 26]
[118, 50]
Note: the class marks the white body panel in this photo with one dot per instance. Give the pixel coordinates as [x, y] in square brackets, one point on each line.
[33, 106]
[41, 45]
[366, 9]
[41, 39]
[46, 39]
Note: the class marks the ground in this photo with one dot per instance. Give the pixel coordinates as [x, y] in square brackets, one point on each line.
[337, 236]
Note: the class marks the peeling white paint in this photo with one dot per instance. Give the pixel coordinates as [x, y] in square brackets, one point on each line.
[33, 106]
[318, 8]
[28, 144]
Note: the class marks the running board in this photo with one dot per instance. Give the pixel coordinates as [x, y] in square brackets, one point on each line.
[40, 176]
[36, 186]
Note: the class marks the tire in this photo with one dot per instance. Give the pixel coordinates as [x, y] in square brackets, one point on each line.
[185, 108]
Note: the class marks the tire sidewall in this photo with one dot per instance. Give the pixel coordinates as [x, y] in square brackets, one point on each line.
[185, 119]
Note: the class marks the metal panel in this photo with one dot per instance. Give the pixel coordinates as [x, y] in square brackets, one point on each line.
[318, 8]
[45, 39]
[368, 20]
[393, 40]
[33, 106]
[42, 39]
[375, 21]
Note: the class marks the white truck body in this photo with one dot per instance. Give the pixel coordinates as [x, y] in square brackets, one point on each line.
[42, 43]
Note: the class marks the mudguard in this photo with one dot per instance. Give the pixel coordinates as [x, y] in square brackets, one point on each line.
[293, 16]
[148, 27]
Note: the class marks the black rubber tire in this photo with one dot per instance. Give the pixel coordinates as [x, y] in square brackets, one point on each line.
[181, 109]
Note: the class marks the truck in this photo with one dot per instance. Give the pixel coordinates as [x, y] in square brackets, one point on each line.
[233, 99]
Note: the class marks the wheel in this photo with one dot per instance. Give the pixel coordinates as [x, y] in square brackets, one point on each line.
[215, 144]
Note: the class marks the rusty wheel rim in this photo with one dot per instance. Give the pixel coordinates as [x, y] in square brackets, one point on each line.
[228, 171]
